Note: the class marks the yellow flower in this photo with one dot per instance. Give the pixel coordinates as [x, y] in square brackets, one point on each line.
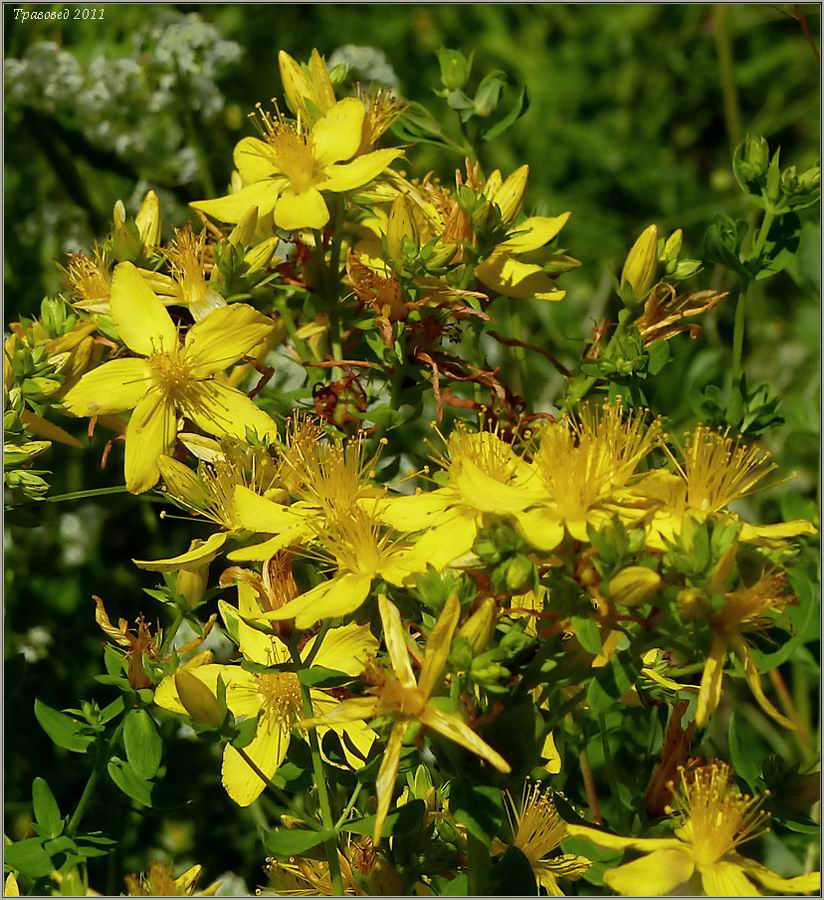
[537, 831]
[169, 380]
[713, 820]
[11, 888]
[485, 476]
[506, 272]
[398, 695]
[308, 89]
[160, 882]
[743, 611]
[582, 469]
[275, 697]
[715, 470]
[288, 170]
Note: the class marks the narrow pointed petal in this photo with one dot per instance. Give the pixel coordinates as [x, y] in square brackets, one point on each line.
[395, 638]
[219, 410]
[460, 733]
[141, 319]
[654, 874]
[438, 646]
[362, 170]
[233, 207]
[223, 337]
[149, 434]
[358, 709]
[753, 677]
[114, 387]
[617, 842]
[339, 596]
[193, 558]
[709, 694]
[772, 881]
[385, 784]
[533, 233]
[337, 135]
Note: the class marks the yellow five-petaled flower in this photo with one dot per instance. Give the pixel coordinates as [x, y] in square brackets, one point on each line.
[168, 380]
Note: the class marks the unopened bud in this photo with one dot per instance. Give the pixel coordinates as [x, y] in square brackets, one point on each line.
[455, 68]
[198, 701]
[126, 240]
[641, 264]
[756, 156]
[672, 246]
[789, 180]
[510, 196]
[401, 228]
[480, 626]
[148, 221]
[243, 232]
[809, 180]
[693, 604]
[773, 187]
[634, 585]
[190, 584]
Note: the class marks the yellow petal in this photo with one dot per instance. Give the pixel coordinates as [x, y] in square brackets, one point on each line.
[385, 784]
[11, 888]
[192, 559]
[801, 884]
[114, 387]
[541, 527]
[358, 709]
[348, 176]
[304, 209]
[261, 515]
[416, 512]
[448, 541]
[484, 493]
[339, 596]
[726, 879]
[344, 649]
[654, 874]
[765, 534]
[292, 537]
[244, 782]
[186, 882]
[460, 733]
[709, 694]
[617, 842]
[437, 646]
[224, 336]
[520, 280]
[337, 135]
[264, 649]
[753, 677]
[533, 233]
[550, 753]
[233, 207]
[242, 696]
[149, 434]
[254, 160]
[361, 737]
[219, 410]
[395, 638]
[141, 319]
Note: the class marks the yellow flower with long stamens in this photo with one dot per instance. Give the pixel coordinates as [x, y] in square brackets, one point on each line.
[583, 469]
[290, 169]
[275, 697]
[398, 695]
[160, 882]
[537, 831]
[744, 610]
[715, 470]
[485, 476]
[167, 380]
[713, 820]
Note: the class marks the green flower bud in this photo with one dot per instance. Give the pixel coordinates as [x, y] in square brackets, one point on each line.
[198, 701]
[810, 180]
[641, 265]
[243, 232]
[633, 586]
[693, 604]
[455, 68]
[480, 626]
[127, 244]
[773, 187]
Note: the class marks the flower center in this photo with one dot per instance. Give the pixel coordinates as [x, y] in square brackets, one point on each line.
[293, 155]
[717, 818]
[538, 827]
[280, 696]
[173, 373]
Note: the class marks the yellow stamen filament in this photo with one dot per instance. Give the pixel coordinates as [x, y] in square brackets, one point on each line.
[291, 148]
[744, 609]
[280, 696]
[536, 825]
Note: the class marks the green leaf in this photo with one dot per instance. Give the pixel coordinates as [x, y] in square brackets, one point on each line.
[613, 680]
[779, 248]
[142, 742]
[28, 858]
[287, 842]
[512, 876]
[451, 887]
[64, 731]
[518, 108]
[747, 753]
[588, 633]
[478, 807]
[319, 676]
[132, 785]
[46, 810]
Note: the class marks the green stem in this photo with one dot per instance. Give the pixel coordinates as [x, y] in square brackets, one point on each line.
[94, 777]
[171, 632]
[580, 387]
[739, 327]
[602, 727]
[349, 806]
[732, 116]
[331, 844]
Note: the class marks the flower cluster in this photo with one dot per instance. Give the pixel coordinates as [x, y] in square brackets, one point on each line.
[429, 646]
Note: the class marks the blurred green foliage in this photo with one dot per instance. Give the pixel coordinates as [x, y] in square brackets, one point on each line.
[634, 110]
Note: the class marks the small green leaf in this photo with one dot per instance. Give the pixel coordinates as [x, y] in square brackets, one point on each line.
[28, 858]
[402, 820]
[512, 876]
[478, 807]
[588, 634]
[613, 680]
[132, 785]
[65, 731]
[318, 676]
[747, 753]
[519, 107]
[142, 742]
[287, 842]
[46, 810]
